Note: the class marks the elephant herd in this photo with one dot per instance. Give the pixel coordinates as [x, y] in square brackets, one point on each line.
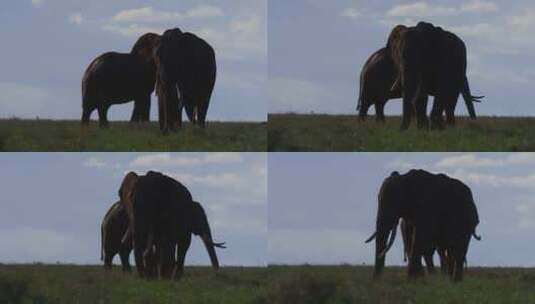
[156, 217]
[417, 62]
[437, 213]
[179, 66]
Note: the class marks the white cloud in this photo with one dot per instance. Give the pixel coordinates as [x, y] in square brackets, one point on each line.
[168, 160]
[76, 18]
[205, 11]
[479, 6]
[478, 161]
[37, 3]
[150, 14]
[526, 181]
[420, 9]
[351, 13]
[94, 162]
[400, 164]
[131, 30]
[423, 9]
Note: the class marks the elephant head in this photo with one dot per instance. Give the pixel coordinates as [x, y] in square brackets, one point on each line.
[412, 50]
[126, 194]
[145, 46]
[166, 90]
[200, 227]
[391, 208]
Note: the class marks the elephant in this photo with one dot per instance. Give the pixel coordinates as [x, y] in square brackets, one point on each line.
[186, 66]
[429, 61]
[376, 87]
[407, 230]
[113, 228]
[116, 78]
[164, 216]
[441, 210]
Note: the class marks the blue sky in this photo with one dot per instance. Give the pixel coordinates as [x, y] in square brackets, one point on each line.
[49, 43]
[322, 207]
[52, 203]
[317, 49]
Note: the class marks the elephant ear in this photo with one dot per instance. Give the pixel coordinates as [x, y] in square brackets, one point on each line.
[395, 36]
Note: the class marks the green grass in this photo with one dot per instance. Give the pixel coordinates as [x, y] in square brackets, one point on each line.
[296, 132]
[348, 284]
[91, 284]
[50, 135]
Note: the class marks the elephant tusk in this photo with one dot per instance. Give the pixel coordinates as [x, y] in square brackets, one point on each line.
[219, 245]
[371, 237]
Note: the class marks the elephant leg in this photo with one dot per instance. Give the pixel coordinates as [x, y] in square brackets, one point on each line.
[108, 260]
[202, 110]
[167, 260]
[421, 112]
[459, 256]
[140, 265]
[162, 115]
[428, 257]
[436, 113]
[103, 116]
[380, 111]
[179, 117]
[125, 263]
[135, 112]
[86, 115]
[144, 112]
[151, 263]
[183, 247]
[407, 112]
[443, 261]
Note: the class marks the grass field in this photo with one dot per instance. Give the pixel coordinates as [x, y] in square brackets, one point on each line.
[347, 284]
[296, 132]
[277, 284]
[91, 284]
[48, 135]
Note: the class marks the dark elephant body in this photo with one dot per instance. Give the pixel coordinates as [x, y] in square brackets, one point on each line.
[164, 217]
[116, 78]
[113, 228]
[407, 234]
[430, 61]
[187, 63]
[377, 80]
[441, 210]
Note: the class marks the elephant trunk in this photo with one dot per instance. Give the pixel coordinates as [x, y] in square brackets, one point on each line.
[382, 247]
[469, 99]
[210, 247]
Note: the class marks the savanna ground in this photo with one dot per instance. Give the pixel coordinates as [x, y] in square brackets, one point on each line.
[317, 132]
[92, 284]
[350, 284]
[55, 135]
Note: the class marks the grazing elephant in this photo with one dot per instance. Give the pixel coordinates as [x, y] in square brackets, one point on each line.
[430, 61]
[113, 228]
[407, 234]
[186, 66]
[376, 87]
[115, 78]
[163, 218]
[441, 210]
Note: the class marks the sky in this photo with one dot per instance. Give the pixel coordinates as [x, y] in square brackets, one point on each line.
[47, 45]
[317, 49]
[52, 204]
[322, 206]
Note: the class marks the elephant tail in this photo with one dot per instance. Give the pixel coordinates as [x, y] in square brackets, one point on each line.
[469, 99]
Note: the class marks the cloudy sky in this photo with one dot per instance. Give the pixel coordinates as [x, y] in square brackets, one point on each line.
[52, 203]
[49, 43]
[322, 207]
[317, 49]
